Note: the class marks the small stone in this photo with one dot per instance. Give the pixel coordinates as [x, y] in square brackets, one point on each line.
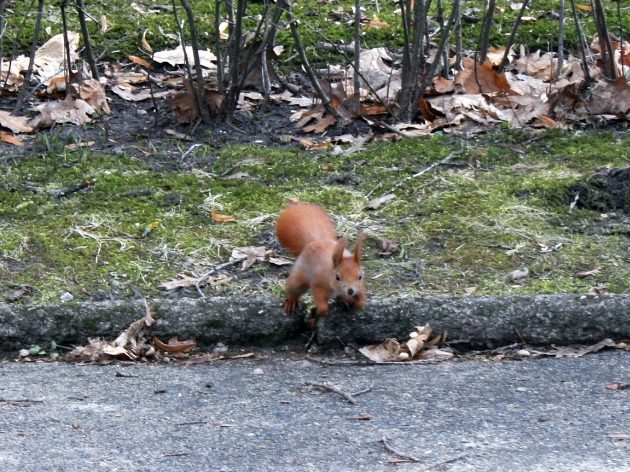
[523, 353]
[258, 371]
[66, 297]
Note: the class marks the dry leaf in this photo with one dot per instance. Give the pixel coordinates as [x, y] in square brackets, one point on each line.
[389, 247]
[176, 57]
[17, 124]
[223, 30]
[476, 78]
[588, 273]
[103, 23]
[387, 351]
[93, 92]
[140, 61]
[220, 218]
[376, 203]
[519, 274]
[69, 110]
[144, 44]
[376, 23]
[321, 123]
[417, 340]
[174, 346]
[10, 139]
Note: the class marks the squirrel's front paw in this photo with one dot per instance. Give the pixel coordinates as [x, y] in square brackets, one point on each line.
[290, 305]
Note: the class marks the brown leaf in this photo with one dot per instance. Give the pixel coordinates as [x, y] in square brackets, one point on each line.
[476, 78]
[175, 346]
[418, 340]
[10, 139]
[185, 106]
[69, 110]
[376, 23]
[588, 273]
[221, 218]
[389, 247]
[387, 351]
[321, 124]
[140, 61]
[17, 124]
[144, 44]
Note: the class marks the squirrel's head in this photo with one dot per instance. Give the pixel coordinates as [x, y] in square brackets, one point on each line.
[349, 275]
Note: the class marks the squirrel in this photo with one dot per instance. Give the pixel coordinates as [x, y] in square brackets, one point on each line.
[323, 264]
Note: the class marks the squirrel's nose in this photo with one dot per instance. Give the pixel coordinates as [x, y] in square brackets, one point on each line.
[350, 291]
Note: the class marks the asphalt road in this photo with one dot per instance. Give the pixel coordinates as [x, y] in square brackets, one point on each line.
[259, 415]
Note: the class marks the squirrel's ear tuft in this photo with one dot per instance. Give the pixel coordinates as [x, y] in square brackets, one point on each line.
[342, 244]
[358, 247]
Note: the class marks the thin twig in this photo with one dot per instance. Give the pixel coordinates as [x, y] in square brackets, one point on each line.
[86, 39]
[67, 70]
[311, 75]
[484, 40]
[357, 56]
[560, 40]
[606, 51]
[217, 44]
[405, 456]
[459, 43]
[201, 85]
[510, 42]
[331, 388]
[424, 171]
[444, 462]
[31, 60]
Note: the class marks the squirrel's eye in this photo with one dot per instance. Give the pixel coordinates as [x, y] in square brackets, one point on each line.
[361, 275]
[338, 277]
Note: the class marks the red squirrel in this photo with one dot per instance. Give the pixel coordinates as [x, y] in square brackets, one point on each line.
[323, 262]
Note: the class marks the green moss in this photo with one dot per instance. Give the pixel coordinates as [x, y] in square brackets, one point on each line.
[501, 204]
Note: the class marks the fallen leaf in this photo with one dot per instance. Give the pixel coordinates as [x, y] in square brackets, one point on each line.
[376, 203]
[93, 92]
[387, 351]
[221, 218]
[17, 124]
[10, 139]
[175, 57]
[519, 274]
[140, 61]
[103, 23]
[69, 110]
[175, 346]
[144, 43]
[389, 247]
[588, 273]
[478, 78]
[376, 23]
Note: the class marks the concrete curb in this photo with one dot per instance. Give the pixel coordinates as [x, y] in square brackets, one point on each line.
[479, 322]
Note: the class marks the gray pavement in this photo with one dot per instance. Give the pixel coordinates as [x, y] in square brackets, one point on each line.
[258, 415]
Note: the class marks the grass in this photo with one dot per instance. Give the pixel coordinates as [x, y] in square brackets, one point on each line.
[458, 228]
